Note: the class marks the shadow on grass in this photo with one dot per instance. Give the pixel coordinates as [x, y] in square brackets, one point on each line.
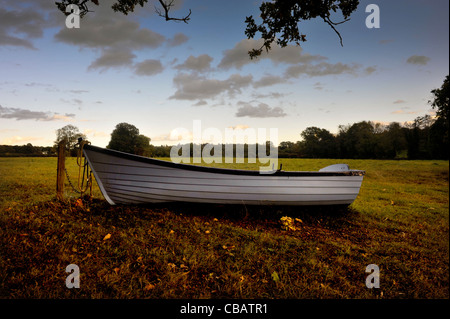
[258, 212]
[332, 217]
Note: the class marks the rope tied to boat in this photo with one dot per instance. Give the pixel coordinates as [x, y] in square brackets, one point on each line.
[86, 176]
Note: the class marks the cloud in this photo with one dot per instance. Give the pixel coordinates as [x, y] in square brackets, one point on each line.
[95, 133]
[110, 31]
[321, 69]
[124, 58]
[161, 138]
[369, 70]
[301, 63]
[270, 95]
[399, 101]
[58, 117]
[199, 64]
[116, 37]
[113, 58]
[72, 101]
[14, 41]
[292, 55]
[318, 86]
[268, 80]
[195, 87]
[33, 84]
[148, 67]
[261, 111]
[238, 56]
[386, 41]
[21, 23]
[200, 103]
[78, 91]
[418, 59]
[18, 27]
[402, 111]
[20, 139]
[320, 109]
[239, 127]
[23, 114]
[178, 39]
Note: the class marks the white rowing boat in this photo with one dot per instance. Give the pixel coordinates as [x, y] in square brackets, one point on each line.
[130, 179]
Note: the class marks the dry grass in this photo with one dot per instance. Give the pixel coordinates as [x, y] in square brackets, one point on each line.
[399, 221]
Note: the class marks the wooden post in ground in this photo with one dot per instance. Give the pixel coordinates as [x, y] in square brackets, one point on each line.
[60, 170]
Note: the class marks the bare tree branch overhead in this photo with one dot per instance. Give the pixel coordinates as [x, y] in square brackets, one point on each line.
[166, 6]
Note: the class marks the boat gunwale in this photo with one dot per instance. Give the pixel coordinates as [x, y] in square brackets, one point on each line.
[216, 170]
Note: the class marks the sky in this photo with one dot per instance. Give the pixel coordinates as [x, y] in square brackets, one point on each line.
[161, 76]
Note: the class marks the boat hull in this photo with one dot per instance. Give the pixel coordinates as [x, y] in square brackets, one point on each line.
[129, 179]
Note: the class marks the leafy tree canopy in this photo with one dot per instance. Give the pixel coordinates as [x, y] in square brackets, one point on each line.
[70, 133]
[280, 20]
[441, 99]
[126, 138]
[439, 130]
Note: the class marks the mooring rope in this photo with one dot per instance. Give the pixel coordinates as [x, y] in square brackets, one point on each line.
[87, 173]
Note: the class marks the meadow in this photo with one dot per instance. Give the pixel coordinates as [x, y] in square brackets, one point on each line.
[400, 222]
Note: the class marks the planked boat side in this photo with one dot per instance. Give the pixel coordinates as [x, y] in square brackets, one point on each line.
[130, 179]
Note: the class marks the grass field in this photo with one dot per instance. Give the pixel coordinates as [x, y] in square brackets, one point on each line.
[400, 222]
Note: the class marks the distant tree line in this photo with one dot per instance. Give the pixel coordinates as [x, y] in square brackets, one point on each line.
[425, 138]
[26, 151]
[422, 139]
[243, 150]
[68, 133]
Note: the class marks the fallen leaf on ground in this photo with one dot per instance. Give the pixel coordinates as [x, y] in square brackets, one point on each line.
[171, 265]
[149, 287]
[275, 276]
